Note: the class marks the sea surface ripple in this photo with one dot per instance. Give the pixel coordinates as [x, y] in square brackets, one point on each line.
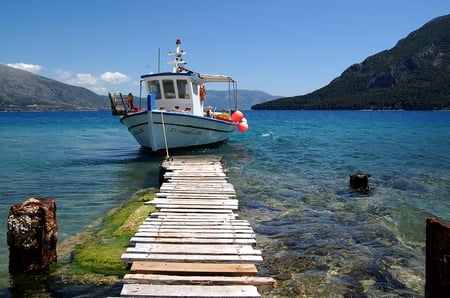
[291, 173]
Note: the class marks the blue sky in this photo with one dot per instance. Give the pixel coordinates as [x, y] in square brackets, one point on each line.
[284, 47]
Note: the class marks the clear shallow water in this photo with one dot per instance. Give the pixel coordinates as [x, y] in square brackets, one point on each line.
[290, 170]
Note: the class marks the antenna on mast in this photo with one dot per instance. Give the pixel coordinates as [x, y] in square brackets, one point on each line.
[178, 62]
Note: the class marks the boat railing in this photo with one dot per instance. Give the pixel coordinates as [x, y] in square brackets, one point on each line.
[119, 105]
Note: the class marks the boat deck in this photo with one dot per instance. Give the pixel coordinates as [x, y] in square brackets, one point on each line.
[194, 246]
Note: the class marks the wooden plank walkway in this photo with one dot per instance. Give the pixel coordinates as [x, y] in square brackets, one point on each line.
[194, 246]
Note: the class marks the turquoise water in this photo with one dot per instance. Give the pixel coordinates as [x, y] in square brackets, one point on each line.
[290, 170]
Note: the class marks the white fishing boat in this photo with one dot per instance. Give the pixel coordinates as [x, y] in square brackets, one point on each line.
[176, 113]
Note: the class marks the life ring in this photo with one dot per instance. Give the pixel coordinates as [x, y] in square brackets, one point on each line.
[202, 92]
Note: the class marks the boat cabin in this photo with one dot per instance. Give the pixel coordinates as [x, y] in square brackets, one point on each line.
[176, 92]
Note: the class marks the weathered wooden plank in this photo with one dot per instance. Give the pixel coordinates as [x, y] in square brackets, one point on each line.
[195, 201]
[186, 206]
[131, 257]
[195, 169]
[195, 221]
[185, 210]
[196, 206]
[199, 191]
[194, 249]
[137, 239]
[193, 268]
[159, 221]
[193, 210]
[190, 230]
[146, 290]
[197, 194]
[195, 235]
[197, 186]
[198, 279]
[182, 160]
[196, 228]
[195, 225]
[173, 215]
[199, 162]
[196, 179]
[193, 174]
[192, 165]
[207, 183]
[148, 248]
[195, 158]
[194, 196]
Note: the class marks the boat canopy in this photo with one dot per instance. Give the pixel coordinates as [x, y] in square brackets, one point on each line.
[216, 78]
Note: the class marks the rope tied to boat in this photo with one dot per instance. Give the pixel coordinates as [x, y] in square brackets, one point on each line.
[164, 134]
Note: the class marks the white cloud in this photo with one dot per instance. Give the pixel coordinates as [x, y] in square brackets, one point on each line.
[99, 84]
[114, 77]
[25, 66]
[63, 75]
[85, 79]
[99, 89]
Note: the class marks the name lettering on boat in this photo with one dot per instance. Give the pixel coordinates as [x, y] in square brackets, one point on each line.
[185, 131]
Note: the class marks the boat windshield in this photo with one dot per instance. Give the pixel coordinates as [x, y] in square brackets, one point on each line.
[154, 88]
[183, 90]
[169, 88]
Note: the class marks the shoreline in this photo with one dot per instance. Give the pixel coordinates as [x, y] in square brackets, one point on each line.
[90, 261]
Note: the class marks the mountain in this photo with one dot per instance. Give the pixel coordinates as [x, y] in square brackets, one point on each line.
[246, 98]
[23, 91]
[413, 75]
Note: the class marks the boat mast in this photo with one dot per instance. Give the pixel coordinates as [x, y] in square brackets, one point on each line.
[159, 60]
[178, 63]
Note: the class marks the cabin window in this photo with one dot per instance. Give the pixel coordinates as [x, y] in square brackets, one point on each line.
[154, 88]
[182, 86]
[169, 88]
[195, 88]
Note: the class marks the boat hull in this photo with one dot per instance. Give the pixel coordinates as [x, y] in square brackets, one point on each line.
[154, 129]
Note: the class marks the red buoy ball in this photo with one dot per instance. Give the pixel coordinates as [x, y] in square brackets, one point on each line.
[237, 116]
[242, 126]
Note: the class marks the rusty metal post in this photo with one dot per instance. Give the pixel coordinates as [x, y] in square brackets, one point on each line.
[32, 236]
[437, 267]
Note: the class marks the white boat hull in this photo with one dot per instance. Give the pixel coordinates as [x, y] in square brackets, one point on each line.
[177, 130]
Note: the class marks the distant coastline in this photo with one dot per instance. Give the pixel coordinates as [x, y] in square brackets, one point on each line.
[413, 75]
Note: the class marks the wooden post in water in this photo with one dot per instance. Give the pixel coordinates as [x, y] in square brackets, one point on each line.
[32, 236]
[437, 268]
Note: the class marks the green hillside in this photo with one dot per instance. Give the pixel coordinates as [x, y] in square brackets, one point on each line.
[413, 75]
[23, 91]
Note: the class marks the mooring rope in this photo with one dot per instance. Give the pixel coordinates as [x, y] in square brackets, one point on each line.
[165, 138]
